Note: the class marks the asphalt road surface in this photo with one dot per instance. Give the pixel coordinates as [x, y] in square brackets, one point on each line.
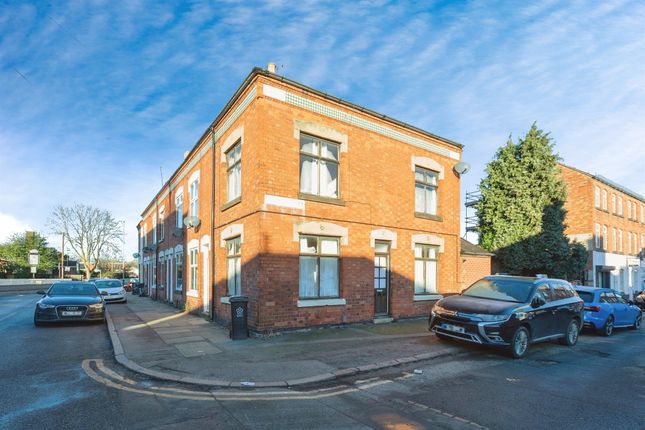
[65, 377]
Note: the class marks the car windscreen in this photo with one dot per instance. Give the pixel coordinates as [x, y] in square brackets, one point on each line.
[108, 284]
[587, 297]
[72, 290]
[500, 289]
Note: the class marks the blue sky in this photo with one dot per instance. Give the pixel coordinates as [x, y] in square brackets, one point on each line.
[95, 96]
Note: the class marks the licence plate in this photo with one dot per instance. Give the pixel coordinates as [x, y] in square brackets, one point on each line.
[454, 328]
[72, 313]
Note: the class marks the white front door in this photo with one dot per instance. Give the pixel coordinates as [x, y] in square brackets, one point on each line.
[206, 289]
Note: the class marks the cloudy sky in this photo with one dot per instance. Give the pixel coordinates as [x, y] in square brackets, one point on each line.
[96, 96]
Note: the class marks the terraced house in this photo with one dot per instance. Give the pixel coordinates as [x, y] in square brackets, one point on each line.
[320, 211]
[610, 220]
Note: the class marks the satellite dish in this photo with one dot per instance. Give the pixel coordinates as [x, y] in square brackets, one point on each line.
[462, 167]
[191, 221]
[135, 255]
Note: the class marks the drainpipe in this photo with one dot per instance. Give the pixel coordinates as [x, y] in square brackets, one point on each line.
[213, 241]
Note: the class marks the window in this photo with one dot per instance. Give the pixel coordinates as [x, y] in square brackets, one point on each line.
[193, 269]
[162, 226]
[560, 292]
[425, 269]
[234, 171]
[597, 197]
[194, 198]
[319, 271]
[233, 267]
[604, 200]
[179, 268]
[154, 229]
[318, 166]
[382, 251]
[144, 234]
[629, 209]
[179, 204]
[629, 243]
[605, 242]
[613, 240]
[620, 241]
[620, 206]
[597, 238]
[544, 291]
[613, 203]
[635, 243]
[425, 191]
[642, 214]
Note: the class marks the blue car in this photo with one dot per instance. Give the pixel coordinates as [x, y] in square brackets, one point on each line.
[605, 310]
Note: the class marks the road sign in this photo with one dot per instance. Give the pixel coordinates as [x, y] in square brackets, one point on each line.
[33, 257]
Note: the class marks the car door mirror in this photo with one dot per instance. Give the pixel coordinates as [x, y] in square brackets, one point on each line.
[41, 292]
[537, 302]
[104, 293]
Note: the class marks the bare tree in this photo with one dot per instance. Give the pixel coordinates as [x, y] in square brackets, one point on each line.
[91, 232]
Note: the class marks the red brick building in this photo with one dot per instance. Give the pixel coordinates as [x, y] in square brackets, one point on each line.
[318, 210]
[476, 263]
[610, 221]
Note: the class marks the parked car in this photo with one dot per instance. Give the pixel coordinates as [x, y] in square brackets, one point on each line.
[639, 300]
[511, 312]
[69, 301]
[113, 288]
[606, 310]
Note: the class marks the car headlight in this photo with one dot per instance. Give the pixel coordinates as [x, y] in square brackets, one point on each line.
[436, 309]
[96, 306]
[122, 291]
[492, 318]
[45, 306]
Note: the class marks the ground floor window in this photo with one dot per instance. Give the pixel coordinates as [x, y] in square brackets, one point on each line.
[233, 266]
[193, 269]
[319, 267]
[179, 268]
[425, 269]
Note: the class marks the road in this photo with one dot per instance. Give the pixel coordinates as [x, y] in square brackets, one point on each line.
[65, 377]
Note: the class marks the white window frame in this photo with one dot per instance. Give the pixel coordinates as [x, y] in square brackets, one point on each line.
[318, 254]
[154, 229]
[162, 225]
[427, 185]
[317, 159]
[425, 282]
[613, 203]
[234, 257]
[605, 244]
[629, 209]
[613, 239]
[620, 206]
[179, 210]
[597, 237]
[604, 200]
[234, 171]
[597, 197]
[620, 240]
[193, 281]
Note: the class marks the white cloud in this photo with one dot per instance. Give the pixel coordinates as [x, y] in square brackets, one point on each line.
[10, 225]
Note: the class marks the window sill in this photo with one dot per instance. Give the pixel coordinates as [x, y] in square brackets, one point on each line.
[231, 204]
[192, 293]
[225, 300]
[308, 303]
[428, 216]
[320, 199]
[427, 297]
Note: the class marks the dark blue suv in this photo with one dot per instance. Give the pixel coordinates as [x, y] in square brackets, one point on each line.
[511, 312]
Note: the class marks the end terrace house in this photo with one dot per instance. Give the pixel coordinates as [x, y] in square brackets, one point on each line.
[320, 211]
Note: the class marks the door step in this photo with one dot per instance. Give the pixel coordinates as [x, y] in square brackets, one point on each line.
[382, 320]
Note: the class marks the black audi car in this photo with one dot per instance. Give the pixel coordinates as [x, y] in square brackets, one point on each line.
[70, 301]
[511, 312]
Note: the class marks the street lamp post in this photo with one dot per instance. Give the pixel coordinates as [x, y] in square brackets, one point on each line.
[123, 255]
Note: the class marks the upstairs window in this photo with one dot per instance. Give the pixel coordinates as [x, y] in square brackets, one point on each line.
[597, 197]
[604, 200]
[620, 206]
[629, 209]
[604, 237]
[319, 161]
[234, 171]
[425, 191]
[613, 240]
[620, 241]
[162, 225]
[194, 198]
[154, 229]
[613, 203]
[597, 237]
[179, 204]
[234, 266]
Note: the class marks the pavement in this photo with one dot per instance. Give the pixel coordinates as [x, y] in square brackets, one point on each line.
[157, 340]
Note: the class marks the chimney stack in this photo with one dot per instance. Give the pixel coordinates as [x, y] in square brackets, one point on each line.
[271, 67]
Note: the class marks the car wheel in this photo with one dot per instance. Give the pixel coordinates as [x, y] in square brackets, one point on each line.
[520, 342]
[637, 323]
[608, 328]
[571, 335]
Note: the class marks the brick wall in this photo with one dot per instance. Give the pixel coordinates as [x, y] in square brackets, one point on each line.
[473, 268]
